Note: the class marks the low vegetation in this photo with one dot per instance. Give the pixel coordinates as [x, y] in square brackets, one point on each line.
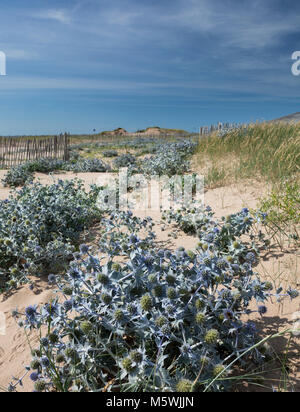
[40, 227]
[282, 206]
[131, 315]
[24, 173]
[157, 321]
[262, 151]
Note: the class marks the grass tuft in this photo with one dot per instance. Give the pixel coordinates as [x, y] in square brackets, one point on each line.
[268, 151]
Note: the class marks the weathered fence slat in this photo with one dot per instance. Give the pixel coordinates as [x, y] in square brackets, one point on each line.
[17, 150]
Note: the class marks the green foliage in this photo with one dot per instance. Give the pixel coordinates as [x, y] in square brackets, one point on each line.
[283, 209]
[283, 204]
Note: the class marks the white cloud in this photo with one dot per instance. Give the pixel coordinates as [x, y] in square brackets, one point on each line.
[58, 15]
[252, 27]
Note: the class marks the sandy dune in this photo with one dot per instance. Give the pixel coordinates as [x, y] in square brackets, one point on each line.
[14, 350]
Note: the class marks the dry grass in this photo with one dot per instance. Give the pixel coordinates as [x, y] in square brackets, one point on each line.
[263, 151]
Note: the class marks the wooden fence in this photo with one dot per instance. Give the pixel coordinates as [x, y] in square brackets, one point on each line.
[205, 130]
[17, 150]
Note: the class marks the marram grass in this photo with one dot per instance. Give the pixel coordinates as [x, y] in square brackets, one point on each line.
[268, 151]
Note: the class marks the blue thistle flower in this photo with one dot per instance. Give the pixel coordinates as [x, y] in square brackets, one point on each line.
[84, 249]
[68, 305]
[44, 342]
[52, 279]
[133, 238]
[74, 274]
[34, 376]
[167, 254]
[262, 310]
[209, 238]
[251, 258]
[161, 253]
[45, 362]
[228, 314]
[30, 313]
[251, 327]
[293, 293]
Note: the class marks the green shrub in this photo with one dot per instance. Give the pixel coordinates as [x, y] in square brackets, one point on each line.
[283, 209]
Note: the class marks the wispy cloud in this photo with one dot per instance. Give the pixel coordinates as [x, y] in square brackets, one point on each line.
[59, 15]
[172, 52]
[246, 25]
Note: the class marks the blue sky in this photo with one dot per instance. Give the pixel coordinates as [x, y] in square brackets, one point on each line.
[79, 65]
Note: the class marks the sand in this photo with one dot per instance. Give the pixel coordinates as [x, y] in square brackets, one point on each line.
[280, 266]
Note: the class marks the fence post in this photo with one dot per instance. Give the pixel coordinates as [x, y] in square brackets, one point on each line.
[66, 147]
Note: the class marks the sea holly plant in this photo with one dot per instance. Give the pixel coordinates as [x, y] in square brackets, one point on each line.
[17, 176]
[87, 165]
[170, 159]
[40, 227]
[222, 235]
[124, 160]
[133, 317]
[23, 174]
[110, 153]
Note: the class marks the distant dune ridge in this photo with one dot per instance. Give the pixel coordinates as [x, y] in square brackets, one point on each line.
[290, 118]
[158, 131]
[150, 131]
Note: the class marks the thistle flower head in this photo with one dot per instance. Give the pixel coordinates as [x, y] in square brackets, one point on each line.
[86, 327]
[116, 267]
[119, 315]
[67, 290]
[211, 337]
[161, 320]
[35, 364]
[60, 358]
[45, 362]
[84, 249]
[127, 364]
[106, 298]
[184, 385]
[30, 312]
[34, 376]
[68, 305]
[218, 369]
[171, 293]
[200, 318]
[170, 279]
[146, 303]
[103, 279]
[262, 310]
[136, 356]
[40, 386]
